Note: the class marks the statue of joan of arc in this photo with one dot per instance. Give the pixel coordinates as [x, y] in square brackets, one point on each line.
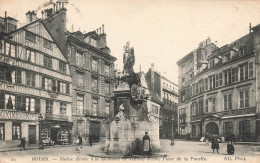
[129, 59]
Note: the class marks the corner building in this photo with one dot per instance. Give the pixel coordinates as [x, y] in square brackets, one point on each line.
[224, 93]
[35, 82]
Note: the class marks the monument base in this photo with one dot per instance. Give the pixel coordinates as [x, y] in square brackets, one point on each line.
[126, 137]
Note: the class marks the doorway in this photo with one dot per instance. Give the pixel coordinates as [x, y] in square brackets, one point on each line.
[95, 131]
[32, 134]
[54, 134]
[212, 127]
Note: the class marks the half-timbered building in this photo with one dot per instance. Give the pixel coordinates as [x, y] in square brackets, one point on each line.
[35, 87]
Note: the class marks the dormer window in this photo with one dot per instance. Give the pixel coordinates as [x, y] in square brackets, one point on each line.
[93, 42]
[106, 69]
[79, 58]
[227, 57]
[94, 65]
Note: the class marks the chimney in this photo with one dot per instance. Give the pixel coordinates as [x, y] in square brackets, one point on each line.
[8, 24]
[152, 76]
[103, 38]
[30, 17]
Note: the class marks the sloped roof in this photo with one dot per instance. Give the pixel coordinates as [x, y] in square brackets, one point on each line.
[155, 98]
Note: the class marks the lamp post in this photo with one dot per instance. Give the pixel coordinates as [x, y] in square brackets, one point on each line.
[172, 139]
[40, 118]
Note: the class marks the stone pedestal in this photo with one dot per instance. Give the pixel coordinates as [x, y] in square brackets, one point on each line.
[123, 132]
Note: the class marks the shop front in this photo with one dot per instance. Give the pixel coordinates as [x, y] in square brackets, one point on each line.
[53, 133]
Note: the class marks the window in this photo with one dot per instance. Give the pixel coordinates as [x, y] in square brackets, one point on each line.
[9, 101]
[244, 98]
[21, 103]
[243, 71]
[79, 105]
[47, 44]
[49, 106]
[213, 104]
[47, 61]
[30, 104]
[227, 101]
[207, 106]
[30, 56]
[220, 79]
[206, 84]
[79, 58]
[94, 65]
[183, 96]
[107, 70]
[7, 74]
[212, 82]
[2, 131]
[30, 78]
[63, 108]
[48, 83]
[19, 76]
[197, 91]
[227, 128]
[62, 66]
[217, 81]
[10, 49]
[244, 127]
[16, 134]
[30, 36]
[251, 70]
[200, 107]
[107, 88]
[94, 104]
[107, 108]
[234, 75]
[227, 76]
[183, 79]
[63, 87]
[94, 84]
[79, 79]
[227, 57]
[93, 42]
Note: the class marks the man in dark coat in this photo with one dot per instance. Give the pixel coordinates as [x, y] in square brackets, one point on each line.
[23, 142]
[215, 143]
[90, 139]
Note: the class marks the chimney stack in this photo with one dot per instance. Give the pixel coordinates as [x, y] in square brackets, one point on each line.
[30, 17]
[152, 76]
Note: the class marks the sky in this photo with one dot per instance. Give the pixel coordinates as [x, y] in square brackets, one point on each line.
[161, 31]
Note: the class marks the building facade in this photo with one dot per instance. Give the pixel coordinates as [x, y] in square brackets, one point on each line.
[223, 94]
[92, 70]
[168, 93]
[35, 86]
[188, 66]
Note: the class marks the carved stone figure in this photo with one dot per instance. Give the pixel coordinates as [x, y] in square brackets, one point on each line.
[129, 58]
[120, 114]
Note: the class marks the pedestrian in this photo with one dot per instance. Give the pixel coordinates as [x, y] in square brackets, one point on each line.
[230, 148]
[90, 139]
[215, 143]
[79, 140]
[146, 143]
[23, 142]
[232, 139]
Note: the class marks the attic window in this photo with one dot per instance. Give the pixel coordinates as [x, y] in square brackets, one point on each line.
[30, 36]
[93, 42]
[47, 44]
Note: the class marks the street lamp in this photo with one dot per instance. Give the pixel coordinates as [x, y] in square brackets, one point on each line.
[172, 139]
[40, 118]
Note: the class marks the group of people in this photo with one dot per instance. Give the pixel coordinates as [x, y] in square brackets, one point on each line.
[79, 141]
[215, 139]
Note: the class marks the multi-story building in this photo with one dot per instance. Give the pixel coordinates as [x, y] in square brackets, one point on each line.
[188, 66]
[223, 94]
[35, 85]
[168, 93]
[92, 70]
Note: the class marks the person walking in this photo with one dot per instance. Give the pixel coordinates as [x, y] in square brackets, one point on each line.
[232, 139]
[146, 143]
[90, 139]
[23, 142]
[215, 143]
[79, 140]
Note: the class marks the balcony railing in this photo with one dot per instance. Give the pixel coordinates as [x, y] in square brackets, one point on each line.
[18, 115]
[239, 112]
[169, 90]
[58, 117]
[95, 113]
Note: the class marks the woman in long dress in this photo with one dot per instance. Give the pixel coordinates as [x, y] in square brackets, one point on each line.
[146, 142]
[215, 143]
